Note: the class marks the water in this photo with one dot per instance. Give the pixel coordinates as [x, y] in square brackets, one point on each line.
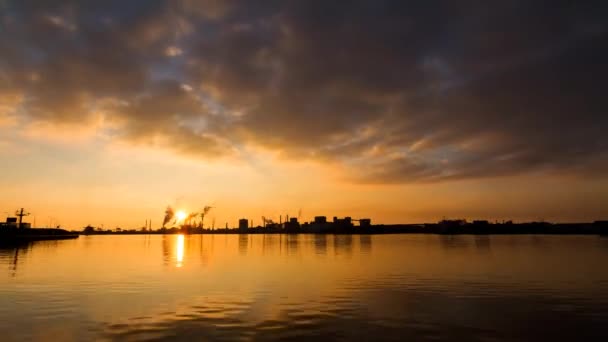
[268, 287]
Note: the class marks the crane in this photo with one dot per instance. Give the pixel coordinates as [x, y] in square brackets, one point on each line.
[20, 214]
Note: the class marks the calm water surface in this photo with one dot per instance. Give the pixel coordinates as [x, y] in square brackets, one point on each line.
[265, 287]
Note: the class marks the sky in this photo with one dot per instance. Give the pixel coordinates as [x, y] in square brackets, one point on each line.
[400, 111]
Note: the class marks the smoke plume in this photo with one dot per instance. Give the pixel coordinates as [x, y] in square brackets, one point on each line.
[169, 213]
[204, 212]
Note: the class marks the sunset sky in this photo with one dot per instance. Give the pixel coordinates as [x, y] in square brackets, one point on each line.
[401, 111]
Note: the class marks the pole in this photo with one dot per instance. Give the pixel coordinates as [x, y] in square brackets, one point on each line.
[20, 218]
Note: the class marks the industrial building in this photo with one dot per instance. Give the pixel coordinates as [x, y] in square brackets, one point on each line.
[243, 224]
[365, 223]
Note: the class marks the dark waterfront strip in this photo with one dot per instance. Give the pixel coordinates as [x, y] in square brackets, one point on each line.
[443, 227]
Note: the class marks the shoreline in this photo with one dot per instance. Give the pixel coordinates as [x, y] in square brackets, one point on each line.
[437, 229]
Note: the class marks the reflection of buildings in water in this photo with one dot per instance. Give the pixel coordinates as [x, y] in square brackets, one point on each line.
[87, 240]
[266, 243]
[203, 252]
[288, 243]
[166, 247]
[15, 256]
[343, 244]
[269, 242]
[243, 243]
[147, 241]
[320, 244]
[482, 243]
[447, 241]
[603, 240]
[291, 243]
[15, 262]
[365, 243]
[538, 241]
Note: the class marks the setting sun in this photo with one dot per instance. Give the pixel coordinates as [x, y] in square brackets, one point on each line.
[180, 216]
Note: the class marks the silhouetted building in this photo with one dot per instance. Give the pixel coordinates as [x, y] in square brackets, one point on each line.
[292, 224]
[319, 225]
[11, 222]
[342, 224]
[451, 226]
[365, 223]
[453, 222]
[347, 221]
[243, 224]
[601, 226]
[481, 222]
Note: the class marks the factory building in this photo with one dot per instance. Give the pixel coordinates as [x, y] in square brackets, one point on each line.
[292, 224]
[320, 219]
[365, 223]
[243, 224]
[12, 222]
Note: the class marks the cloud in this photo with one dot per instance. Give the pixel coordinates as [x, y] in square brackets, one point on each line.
[9, 103]
[169, 115]
[173, 51]
[388, 91]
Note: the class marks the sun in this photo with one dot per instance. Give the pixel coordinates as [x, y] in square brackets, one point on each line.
[180, 216]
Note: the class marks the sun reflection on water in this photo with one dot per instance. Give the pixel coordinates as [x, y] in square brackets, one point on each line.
[179, 251]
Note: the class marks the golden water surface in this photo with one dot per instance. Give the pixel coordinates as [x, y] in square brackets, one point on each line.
[298, 287]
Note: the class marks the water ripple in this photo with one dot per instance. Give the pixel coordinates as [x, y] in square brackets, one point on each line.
[307, 287]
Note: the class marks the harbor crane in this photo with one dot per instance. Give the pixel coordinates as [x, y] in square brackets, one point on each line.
[20, 214]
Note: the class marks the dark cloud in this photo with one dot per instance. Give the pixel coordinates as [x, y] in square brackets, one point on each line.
[169, 115]
[392, 91]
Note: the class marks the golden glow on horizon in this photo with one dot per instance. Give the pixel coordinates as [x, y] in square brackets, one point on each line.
[179, 250]
[108, 188]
